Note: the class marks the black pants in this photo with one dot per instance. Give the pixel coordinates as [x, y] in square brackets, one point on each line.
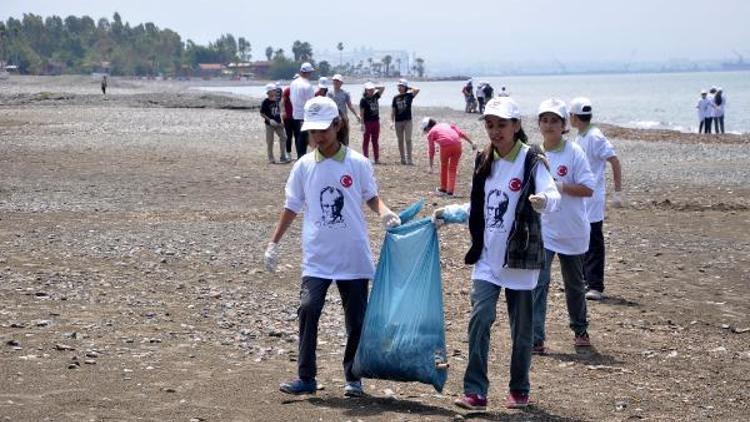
[707, 124]
[300, 138]
[312, 298]
[289, 130]
[594, 261]
[718, 121]
[700, 127]
[481, 104]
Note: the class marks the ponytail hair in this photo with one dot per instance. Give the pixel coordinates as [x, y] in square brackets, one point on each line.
[486, 156]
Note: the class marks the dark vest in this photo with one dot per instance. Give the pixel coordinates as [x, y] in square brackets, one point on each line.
[525, 249]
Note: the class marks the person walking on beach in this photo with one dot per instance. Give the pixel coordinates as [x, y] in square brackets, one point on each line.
[510, 186]
[503, 92]
[448, 137]
[105, 82]
[565, 232]
[344, 102]
[599, 151]
[402, 119]
[480, 97]
[269, 111]
[330, 184]
[468, 92]
[300, 91]
[288, 117]
[719, 103]
[369, 109]
[710, 111]
[701, 108]
[323, 85]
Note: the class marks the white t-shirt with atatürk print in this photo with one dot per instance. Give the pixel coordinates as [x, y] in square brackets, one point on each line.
[335, 244]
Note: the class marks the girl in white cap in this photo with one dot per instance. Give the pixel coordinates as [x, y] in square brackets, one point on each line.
[448, 137]
[566, 232]
[323, 85]
[330, 185]
[510, 186]
[369, 109]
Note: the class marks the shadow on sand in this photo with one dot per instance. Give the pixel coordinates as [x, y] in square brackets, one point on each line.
[369, 406]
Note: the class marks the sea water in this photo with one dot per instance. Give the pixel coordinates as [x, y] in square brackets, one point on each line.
[639, 100]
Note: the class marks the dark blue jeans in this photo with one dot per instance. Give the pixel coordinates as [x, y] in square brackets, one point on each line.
[594, 260]
[312, 298]
[571, 267]
[484, 297]
[300, 138]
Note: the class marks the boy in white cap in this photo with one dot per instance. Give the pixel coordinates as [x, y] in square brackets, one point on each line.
[323, 85]
[701, 107]
[269, 111]
[300, 91]
[344, 102]
[566, 232]
[511, 185]
[402, 118]
[599, 151]
[330, 184]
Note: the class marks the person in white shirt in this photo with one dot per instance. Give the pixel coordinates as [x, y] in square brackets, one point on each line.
[330, 184]
[480, 96]
[701, 109]
[300, 91]
[566, 232]
[510, 187]
[599, 151]
[710, 111]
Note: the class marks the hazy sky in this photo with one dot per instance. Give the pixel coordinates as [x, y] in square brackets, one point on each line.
[440, 30]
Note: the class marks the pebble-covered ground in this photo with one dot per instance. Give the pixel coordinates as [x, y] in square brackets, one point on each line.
[132, 231]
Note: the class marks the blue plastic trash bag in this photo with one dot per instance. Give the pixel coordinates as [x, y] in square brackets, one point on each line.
[403, 338]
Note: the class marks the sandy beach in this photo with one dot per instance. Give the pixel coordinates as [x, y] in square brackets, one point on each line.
[132, 284]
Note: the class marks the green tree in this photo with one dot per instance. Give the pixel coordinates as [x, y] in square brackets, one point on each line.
[340, 48]
[269, 53]
[302, 51]
[419, 66]
[244, 48]
[324, 68]
[387, 62]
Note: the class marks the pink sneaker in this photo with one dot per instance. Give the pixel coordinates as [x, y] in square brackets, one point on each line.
[472, 402]
[517, 400]
[583, 340]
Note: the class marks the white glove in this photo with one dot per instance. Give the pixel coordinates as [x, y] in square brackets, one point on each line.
[390, 219]
[437, 217]
[272, 257]
[618, 199]
[559, 186]
[538, 202]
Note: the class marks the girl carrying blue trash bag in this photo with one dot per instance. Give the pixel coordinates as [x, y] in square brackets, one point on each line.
[330, 184]
[510, 186]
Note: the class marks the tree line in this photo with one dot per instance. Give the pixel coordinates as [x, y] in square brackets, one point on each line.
[38, 45]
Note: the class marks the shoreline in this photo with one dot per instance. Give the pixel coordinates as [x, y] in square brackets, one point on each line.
[83, 90]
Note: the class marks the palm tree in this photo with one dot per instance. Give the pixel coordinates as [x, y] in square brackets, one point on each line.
[398, 65]
[340, 48]
[387, 62]
[419, 67]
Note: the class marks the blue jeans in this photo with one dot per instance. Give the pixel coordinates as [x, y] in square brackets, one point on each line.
[483, 303]
[571, 267]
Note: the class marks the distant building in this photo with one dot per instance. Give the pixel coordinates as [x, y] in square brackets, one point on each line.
[210, 70]
[258, 69]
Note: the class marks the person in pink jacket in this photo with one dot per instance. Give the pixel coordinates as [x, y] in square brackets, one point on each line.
[448, 136]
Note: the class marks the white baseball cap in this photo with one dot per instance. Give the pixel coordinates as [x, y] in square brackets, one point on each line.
[306, 68]
[403, 82]
[369, 85]
[338, 77]
[423, 124]
[270, 87]
[555, 106]
[502, 107]
[704, 92]
[581, 106]
[319, 113]
[323, 82]
[720, 89]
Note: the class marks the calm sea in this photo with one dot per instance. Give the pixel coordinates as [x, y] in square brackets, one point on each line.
[659, 101]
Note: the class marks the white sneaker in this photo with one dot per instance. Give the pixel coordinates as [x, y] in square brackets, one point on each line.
[594, 295]
[353, 389]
